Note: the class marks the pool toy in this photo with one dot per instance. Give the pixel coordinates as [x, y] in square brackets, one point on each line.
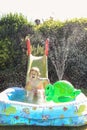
[61, 91]
[64, 105]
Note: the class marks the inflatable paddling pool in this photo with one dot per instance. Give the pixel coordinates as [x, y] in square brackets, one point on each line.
[14, 110]
[63, 105]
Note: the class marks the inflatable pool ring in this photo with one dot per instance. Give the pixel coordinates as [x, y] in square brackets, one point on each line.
[61, 91]
[15, 110]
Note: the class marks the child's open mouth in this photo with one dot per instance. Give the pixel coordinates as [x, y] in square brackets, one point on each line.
[33, 76]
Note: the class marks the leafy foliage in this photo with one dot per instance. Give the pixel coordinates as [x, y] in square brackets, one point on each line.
[4, 53]
[13, 30]
[67, 49]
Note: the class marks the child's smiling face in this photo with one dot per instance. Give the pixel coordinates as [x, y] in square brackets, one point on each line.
[33, 75]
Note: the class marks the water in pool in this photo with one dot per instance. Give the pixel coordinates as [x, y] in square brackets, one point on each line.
[20, 95]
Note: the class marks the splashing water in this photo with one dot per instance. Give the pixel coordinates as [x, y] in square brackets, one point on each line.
[60, 48]
[58, 55]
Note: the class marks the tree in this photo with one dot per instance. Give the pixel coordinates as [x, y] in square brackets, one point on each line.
[13, 30]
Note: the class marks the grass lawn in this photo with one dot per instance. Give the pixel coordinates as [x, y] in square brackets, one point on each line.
[45, 128]
[41, 128]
